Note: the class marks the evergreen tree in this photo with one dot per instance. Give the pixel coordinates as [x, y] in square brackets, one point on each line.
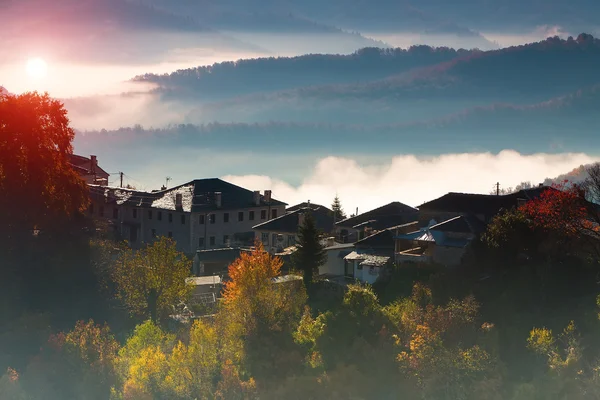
[338, 212]
[310, 254]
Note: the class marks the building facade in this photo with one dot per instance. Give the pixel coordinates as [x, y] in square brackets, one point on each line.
[199, 215]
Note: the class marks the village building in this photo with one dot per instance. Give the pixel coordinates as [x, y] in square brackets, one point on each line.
[355, 228]
[201, 214]
[89, 170]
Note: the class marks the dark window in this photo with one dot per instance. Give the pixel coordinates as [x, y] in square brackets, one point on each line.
[183, 219]
[134, 212]
[263, 214]
[115, 213]
[273, 213]
[251, 215]
[273, 239]
[213, 218]
[200, 242]
[265, 238]
[101, 213]
[212, 241]
[241, 216]
[91, 208]
[149, 214]
[291, 240]
[170, 234]
[201, 219]
[153, 233]
[159, 216]
[226, 240]
[226, 217]
[170, 217]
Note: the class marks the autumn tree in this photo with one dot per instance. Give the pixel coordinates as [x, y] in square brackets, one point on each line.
[152, 280]
[35, 175]
[310, 254]
[338, 212]
[259, 315]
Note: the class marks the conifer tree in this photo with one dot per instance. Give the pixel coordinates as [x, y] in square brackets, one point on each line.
[310, 254]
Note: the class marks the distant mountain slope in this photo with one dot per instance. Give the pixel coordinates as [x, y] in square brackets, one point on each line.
[243, 77]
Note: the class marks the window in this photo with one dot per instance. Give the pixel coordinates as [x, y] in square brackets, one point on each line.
[265, 238]
[153, 233]
[200, 242]
[159, 216]
[251, 215]
[226, 240]
[212, 241]
[241, 216]
[101, 213]
[182, 219]
[170, 234]
[291, 240]
[91, 208]
[115, 213]
[226, 217]
[273, 239]
[274, 213]
[149, 214]
[213, 218]
[134, 212]
[263, 214]
[201, 219]
[170, 217]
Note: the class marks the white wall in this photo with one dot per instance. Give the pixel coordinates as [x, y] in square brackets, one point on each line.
[334, 264]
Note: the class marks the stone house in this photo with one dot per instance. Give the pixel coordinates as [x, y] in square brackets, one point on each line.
[89, 170]
[201, 214]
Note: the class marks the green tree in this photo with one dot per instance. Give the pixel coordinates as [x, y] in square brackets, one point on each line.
[152, 280]
[338, 212]
[310, 254]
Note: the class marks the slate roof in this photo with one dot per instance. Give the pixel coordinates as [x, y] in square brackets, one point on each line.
[391, 214]
[383, 238]
[314, 206]
[197, 196]
[83, 165]
[460, 224]
[480, 203]
[290, 222]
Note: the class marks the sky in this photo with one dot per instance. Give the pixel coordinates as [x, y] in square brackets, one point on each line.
[362, 181]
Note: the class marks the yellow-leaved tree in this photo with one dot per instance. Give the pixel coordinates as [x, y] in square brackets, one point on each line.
[259, 316]
[152, 280]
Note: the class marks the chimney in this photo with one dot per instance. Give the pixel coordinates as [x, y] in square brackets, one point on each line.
[301, 217]
[268, 196]
[541, 185]
[218, 199]
[179, 201]
[93, 164]
[257, 197]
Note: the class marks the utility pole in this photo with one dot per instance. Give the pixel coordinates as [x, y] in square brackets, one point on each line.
[121, 176]
[498, 189]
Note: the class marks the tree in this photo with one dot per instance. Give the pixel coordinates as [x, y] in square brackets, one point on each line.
[259, 316]
[152, 280]
[310, 254]
[338, 212]
[35, 175]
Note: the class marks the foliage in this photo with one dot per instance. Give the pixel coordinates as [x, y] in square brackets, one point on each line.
[151, 281]
[35, 174]
[310, 254]
[338, 211]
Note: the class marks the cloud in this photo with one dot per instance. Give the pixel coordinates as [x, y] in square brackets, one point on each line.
[413, 180]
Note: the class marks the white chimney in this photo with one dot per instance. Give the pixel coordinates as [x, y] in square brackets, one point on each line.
[301, 218]
[257, 197]
[218, 199]
[267, 196]
[179, 201]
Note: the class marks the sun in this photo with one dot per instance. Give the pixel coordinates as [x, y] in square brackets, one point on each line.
[36, 68]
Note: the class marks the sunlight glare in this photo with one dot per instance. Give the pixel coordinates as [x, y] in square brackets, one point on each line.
[37, 68]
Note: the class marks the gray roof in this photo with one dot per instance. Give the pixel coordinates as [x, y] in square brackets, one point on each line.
[290, 222]
[204, 280]
[391, 214]
[197, 196]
